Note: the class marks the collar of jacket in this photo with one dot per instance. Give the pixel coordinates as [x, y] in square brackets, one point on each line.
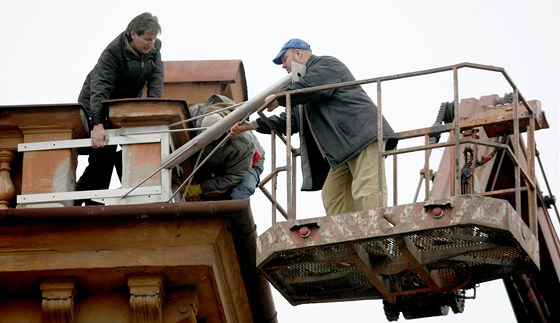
[128, 48]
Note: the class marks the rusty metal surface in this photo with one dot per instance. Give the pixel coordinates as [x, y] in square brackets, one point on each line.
[203, 71]
[405, 250]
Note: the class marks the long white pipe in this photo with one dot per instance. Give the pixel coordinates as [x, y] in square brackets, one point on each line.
[216, 130]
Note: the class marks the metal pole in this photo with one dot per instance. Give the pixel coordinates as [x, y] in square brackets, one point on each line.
[206, 137]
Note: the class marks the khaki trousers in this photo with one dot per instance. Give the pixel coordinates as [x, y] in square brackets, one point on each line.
[354, 186]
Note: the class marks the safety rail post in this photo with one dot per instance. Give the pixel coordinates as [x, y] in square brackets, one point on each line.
[275, 177]
[427, 177]
[516, 152]
[455, 184]
[290, 172]
[532, 190]
[380, 149]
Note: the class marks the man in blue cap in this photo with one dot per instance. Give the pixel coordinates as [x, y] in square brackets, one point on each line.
[337, 129]
[294, 43]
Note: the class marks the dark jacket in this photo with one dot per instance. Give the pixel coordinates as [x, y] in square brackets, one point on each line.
[121, 73]
[229, 164]
[334, 125]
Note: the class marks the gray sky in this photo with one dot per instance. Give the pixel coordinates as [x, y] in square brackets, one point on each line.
[50, 46]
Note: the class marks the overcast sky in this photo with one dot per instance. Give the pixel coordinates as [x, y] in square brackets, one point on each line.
[50, 46]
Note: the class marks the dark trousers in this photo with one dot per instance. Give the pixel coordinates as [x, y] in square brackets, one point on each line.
[97, 174]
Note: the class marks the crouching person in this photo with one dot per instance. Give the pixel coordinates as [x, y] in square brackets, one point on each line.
[233, 170]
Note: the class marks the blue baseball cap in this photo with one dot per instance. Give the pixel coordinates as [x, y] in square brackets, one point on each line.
[292, 43]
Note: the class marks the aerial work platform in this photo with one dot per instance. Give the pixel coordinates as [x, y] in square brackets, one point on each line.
[481, 219]
[436, 246]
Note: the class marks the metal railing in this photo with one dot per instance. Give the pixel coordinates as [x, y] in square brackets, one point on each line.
[128, 136]
[454, 129]
[246, 109]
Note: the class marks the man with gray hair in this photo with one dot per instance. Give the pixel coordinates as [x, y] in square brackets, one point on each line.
[337, 129]
[131, 62]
